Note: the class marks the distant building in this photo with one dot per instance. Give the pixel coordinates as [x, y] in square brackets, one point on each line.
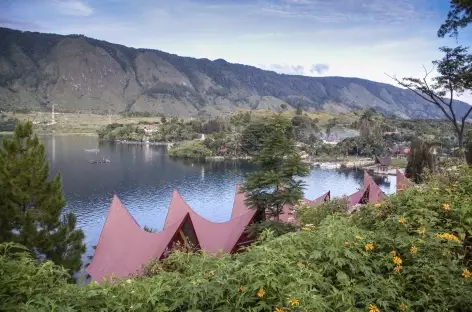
[383, 163]
[148, 129]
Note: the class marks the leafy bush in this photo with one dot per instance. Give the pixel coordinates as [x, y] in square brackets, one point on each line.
[409, 253]
[190, 149]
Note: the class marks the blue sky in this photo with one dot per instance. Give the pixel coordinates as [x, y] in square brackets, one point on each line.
[354, 38]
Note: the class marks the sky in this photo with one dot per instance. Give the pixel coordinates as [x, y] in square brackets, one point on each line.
[351, 38]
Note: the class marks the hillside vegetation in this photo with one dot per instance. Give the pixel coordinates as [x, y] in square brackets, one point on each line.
[80, 74]
[412, 252]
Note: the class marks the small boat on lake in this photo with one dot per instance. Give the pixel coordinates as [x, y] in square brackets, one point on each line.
[102, 161]
[93, 150]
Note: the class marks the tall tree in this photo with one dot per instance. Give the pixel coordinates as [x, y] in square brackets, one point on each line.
[455, 78]
[276, 184]
[420, 158]
[31, 205]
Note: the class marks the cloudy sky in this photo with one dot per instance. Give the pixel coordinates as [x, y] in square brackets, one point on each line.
[353, 38]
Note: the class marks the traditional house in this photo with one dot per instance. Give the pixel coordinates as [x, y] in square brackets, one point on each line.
[123, 247]
[402, 181]
[383, 163]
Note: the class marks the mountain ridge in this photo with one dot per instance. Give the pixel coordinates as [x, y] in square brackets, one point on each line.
[78, 73]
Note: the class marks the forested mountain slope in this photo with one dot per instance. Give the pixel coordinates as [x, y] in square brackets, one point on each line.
[77, 73]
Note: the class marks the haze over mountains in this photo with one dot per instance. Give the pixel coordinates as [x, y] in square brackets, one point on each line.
[77, 73]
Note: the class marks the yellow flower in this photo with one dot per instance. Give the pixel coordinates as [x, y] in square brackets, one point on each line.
[397, 268]
[294, 302]
[369, 246]
[421, 230]
[413, 250]
[449, 190]
[454, 185]
[357, 237]
[448, 236]
[373, 308]
[347, 244]
[435, 189]
[378, 205]
[241, 289]
[211, 273]
[261, 293]
[393, 253]
[403, 307]
[279, 310]
[466, 273]
[306, 228]
[397, 260]
[402, 220]
[446, 207]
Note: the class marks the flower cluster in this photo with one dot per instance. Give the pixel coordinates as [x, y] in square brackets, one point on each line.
[397, 261]
[448, 236]
[369, 246]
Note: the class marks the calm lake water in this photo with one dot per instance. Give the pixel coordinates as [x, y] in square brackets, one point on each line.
[144, 177]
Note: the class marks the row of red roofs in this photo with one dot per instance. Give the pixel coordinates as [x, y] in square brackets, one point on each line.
[123, 247]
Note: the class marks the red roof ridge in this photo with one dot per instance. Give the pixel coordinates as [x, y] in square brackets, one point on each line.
[239, 207]
[124, 247]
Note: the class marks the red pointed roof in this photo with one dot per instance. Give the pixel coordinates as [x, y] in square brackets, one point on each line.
[358, 197]
[402, 181]
[239, 205]
[212, 236]
[375, 193]
[124, 247]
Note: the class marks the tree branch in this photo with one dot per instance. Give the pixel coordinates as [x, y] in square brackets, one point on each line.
[426, 90]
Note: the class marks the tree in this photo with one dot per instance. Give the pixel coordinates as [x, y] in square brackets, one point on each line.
[459, 16]
[455, 77]
[276, 184]
[31, 205]
[299, 109]
[468, 155]
[419, 158]
[283, 106]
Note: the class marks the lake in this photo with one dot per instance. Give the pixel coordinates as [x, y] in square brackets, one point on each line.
[144, 177]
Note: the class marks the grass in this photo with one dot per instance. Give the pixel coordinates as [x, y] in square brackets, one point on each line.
[323, 117]
[77, 124]
[88, 124]
[398, 163]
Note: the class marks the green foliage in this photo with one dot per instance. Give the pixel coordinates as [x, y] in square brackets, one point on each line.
[276, 227]
[469, 147]
[336, 262]
[419, 159]
[253, 136]
[306, 214]
[31, 205]
[276, 184]
[190, 149]
[305, 129]
[459, 16]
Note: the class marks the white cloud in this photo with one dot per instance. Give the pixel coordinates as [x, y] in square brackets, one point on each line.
[290, 69]
[73, 7]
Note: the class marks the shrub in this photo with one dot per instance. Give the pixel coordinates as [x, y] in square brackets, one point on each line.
[409, 253]
[190, 149]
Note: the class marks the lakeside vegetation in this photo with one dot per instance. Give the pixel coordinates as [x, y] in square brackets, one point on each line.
[240, 135]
